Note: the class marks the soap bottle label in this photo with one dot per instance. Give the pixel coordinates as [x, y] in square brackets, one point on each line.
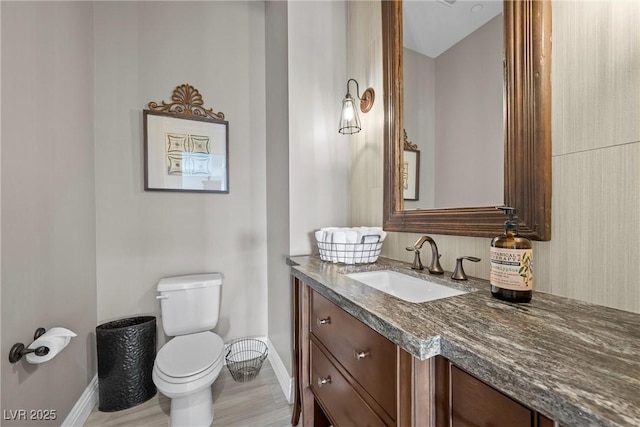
[512, 269]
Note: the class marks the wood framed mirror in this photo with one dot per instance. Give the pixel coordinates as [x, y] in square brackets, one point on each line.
[527, 130]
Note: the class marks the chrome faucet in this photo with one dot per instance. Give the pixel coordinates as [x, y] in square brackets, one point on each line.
[434, 267]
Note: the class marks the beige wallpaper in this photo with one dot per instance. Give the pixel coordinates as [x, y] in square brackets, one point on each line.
[595, 246]
[364, 53]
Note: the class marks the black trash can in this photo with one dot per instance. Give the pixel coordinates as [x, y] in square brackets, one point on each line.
[126, 352]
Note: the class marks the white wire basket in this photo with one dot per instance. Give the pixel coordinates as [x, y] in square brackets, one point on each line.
[365, 252]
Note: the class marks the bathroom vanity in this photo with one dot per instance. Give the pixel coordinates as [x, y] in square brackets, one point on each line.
[364, 357]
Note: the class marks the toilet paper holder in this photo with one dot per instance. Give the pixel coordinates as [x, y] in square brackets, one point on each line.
[18, 350]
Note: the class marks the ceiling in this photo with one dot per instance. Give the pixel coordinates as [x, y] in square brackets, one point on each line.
[431, 27]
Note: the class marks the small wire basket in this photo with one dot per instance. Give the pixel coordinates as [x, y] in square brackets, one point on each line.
[365, 252]
[245, 357]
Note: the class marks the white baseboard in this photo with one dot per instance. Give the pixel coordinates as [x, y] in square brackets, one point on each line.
[83, 407]
[286, 382]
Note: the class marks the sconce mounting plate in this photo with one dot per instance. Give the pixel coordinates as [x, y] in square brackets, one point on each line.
[366, 101]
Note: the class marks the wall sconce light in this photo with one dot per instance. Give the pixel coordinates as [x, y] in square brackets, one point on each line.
[349, 120]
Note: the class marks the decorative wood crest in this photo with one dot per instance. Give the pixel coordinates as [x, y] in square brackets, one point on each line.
[408, 145]
[187, 101]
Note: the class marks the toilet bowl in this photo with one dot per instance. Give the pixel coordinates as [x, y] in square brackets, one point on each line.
[184, 370]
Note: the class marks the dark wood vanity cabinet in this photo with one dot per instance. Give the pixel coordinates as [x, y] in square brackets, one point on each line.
[336, 395]
[464, 401]
[347, 374]
[368, 358]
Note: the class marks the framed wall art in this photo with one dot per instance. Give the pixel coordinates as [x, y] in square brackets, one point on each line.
[186, 147]
[410, 170]
[410, 174]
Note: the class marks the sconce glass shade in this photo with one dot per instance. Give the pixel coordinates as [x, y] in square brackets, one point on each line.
[349, 120]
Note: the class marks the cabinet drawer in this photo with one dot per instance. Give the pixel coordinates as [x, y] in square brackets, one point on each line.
[369, 357]
[474, 403]
[345, 406]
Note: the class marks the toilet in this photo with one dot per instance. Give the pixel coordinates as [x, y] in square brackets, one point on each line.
[187, 365]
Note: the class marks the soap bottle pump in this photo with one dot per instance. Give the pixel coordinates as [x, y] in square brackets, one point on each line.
[511, 274]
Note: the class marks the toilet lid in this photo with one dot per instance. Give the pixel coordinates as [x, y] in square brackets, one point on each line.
[188, 355]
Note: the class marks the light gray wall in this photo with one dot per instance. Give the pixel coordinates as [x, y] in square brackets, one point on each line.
[312, 195]
[89, 69]
[1, 345]
[48, 210]
[277, 76]
[469, 163]
[595, 244]
[318, 154]
[143, 50]
[138, 239]
[420, 121]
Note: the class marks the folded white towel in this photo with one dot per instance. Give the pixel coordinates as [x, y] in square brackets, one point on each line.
[371, 238]
[373, 231]
[351, 234]
[370, 246]
[339, 247]
[321, 244]
[324, 238]
[328, 234]
[352, 239]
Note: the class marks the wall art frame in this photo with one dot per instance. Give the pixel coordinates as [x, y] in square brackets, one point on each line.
[410, 170]
[186, 147]
[411, 175]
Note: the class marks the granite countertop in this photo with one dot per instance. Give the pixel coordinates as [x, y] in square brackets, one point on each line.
[575, 362]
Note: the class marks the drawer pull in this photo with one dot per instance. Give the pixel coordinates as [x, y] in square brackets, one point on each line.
[325, 321]
[323, 381]
[361, 354]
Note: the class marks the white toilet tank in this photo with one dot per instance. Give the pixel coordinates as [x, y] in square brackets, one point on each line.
[190, 304]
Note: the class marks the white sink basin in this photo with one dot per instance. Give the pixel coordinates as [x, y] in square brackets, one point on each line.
[405, 287]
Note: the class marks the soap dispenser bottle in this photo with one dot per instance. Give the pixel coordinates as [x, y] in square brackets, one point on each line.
[511, 274]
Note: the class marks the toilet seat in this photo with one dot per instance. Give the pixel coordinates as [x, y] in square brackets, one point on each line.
[188, 358]
[183, 380]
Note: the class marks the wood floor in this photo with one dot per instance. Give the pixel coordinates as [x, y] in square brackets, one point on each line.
[257, 403]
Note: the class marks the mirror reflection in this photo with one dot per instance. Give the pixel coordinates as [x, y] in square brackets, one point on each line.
[453, 104]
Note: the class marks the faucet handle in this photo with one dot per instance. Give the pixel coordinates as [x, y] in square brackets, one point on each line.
[458, 273]
[417, 263]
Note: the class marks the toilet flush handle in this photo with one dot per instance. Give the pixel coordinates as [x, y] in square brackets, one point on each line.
[162, 297]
